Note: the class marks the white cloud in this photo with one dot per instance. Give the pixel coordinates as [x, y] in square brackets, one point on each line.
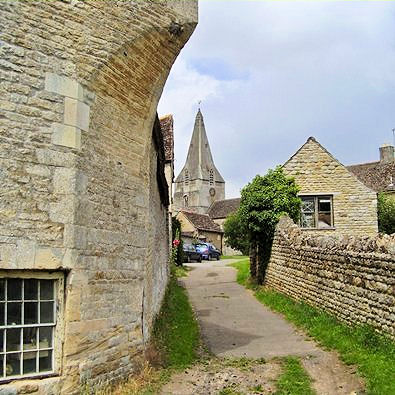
[312, 68]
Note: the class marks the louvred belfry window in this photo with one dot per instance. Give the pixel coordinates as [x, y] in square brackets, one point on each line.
[211, 177]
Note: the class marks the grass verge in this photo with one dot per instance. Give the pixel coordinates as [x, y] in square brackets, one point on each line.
[176, 331]
[233, 257]
[374, 355]
[294, 379]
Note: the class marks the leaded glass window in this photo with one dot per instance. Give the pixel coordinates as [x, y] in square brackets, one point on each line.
[316, 212]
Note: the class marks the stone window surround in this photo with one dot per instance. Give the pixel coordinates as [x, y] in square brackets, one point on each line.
[57, 341]
[317, 195]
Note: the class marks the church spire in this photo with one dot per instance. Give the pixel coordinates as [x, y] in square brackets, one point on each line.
[199, 159]
[199, 183]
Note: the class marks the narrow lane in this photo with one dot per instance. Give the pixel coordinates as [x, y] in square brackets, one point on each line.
[234, 324]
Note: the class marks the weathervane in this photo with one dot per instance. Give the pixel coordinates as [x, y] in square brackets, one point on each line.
[199, 103]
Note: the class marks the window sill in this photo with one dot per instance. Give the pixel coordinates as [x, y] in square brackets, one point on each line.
[34, 376]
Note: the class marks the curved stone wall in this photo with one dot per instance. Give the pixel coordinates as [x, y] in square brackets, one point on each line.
[80, 83]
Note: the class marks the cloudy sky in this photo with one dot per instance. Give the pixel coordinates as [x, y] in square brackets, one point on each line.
[272, 73]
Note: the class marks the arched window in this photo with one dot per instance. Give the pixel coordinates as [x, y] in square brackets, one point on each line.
[185, 200]
[211, 177]
[186, 177]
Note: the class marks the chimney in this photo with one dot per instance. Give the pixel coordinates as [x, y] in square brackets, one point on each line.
[386, 153]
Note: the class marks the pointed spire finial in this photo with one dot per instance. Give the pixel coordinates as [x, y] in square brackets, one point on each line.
[199, 103]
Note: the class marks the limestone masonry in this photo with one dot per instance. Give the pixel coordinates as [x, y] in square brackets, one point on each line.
[81, 206]
[351, 207]
[350, 277]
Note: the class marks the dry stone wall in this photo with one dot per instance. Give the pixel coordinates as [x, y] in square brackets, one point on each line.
[350, 277]
[80, 83]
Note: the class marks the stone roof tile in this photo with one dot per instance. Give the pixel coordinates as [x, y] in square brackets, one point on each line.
[376, 175]
[223, 208]
[202, 221]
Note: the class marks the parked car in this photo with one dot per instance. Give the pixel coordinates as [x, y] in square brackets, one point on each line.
[191, 254]
[208, 251]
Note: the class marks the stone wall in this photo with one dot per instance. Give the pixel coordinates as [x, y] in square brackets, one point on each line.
[317, 173]
[80, 83]
[351, 277]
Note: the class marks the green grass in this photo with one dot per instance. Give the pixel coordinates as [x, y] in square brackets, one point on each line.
[294, 379]
[373, 354]
[181, 271]
[176, 331]
[233, 257]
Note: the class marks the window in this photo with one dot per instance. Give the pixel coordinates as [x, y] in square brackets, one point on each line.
[185, 200]
[211, 177]
[316, 212]
[28, 323]
[186, 178]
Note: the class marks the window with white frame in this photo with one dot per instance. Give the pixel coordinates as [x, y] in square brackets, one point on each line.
[316, 212]
[28, 325]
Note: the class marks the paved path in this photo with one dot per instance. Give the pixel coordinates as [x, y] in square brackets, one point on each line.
[235, 324]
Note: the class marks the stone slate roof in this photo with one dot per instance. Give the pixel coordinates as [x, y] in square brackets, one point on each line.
[202, 221]
[375, 175]
[166, 124]
[199, 160]
[222, 208]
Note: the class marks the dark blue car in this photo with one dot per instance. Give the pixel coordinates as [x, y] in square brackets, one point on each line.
[208, 251]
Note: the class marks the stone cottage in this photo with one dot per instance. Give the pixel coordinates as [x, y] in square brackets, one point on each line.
[195, 226]
[334, 200]
[218, 212]
[379, 176]
[83, 209]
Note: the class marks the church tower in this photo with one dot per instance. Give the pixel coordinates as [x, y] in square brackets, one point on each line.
[199, 184]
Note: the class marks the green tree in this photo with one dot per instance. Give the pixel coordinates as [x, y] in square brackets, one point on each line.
[235, 233]
[386, 213]
[263, 201]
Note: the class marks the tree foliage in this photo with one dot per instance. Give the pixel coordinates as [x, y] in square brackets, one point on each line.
[263, 201]
[386, 213]
[235, 233]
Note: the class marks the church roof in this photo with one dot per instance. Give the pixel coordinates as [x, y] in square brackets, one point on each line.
[202, 221]
[199, 160]
[376, 175]
[223, 208]
[166, 124]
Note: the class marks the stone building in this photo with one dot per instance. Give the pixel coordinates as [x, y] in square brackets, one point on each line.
[83, 210]
[166, 126]
[334, 200]
[218, 212]
[379, 176]
[199, 227]
[199, 183]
